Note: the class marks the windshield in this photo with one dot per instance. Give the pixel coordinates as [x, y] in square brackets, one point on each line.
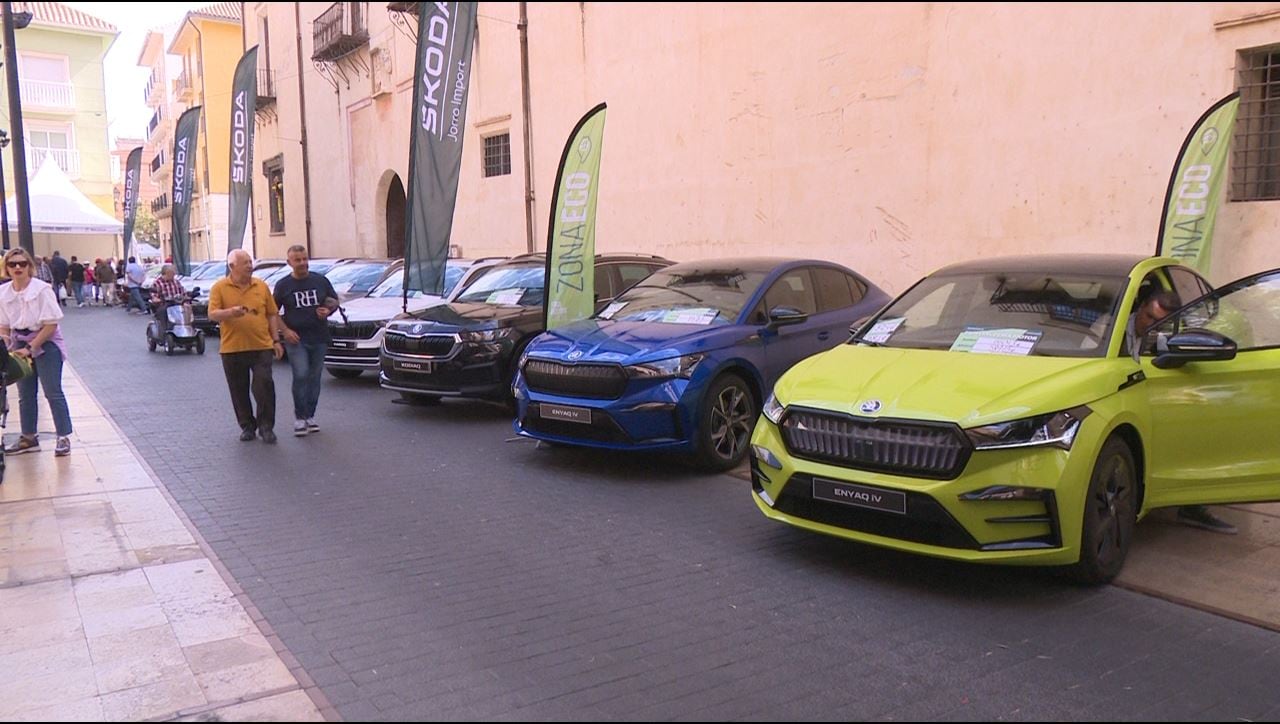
[393, 286]
[1022, 313]
[521, 284]
[356, 277]
[674, 296]
[216, 270]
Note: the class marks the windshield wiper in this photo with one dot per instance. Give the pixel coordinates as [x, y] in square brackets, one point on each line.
[864, 340]
[668, 289]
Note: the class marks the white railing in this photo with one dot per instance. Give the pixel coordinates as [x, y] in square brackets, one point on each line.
[48, 94]
[68, 159]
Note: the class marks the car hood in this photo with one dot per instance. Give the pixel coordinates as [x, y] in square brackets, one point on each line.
[962, 387]
[629, 342]
[380, 309]
[471, 315]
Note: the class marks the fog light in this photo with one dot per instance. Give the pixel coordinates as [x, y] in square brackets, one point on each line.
[766, 457]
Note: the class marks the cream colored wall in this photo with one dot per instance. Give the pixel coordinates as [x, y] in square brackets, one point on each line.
[893, 138]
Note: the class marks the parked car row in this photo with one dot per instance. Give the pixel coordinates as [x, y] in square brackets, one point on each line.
[998, 411]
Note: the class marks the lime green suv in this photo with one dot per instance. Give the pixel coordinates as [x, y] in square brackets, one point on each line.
[1025, 411]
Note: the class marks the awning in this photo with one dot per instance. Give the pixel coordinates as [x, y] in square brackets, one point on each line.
[58, 207]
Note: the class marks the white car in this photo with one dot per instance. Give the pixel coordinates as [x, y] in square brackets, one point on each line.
[356, 331]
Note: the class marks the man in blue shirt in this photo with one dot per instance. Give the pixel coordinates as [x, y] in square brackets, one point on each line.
[305, 300]
[134, 276]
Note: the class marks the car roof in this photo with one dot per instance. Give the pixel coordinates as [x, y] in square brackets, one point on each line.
[614, 256]
[1115, 265]
[763, 264]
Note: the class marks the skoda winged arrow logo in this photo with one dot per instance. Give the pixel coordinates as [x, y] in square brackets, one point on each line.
[870, 406]
[417, 329]
[574, 355]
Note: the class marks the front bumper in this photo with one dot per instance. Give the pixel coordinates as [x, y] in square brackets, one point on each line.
[354, 353]
[937, 521]
[648, 415]
[470, 369]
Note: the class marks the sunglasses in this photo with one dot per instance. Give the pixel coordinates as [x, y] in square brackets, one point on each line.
[18, 264]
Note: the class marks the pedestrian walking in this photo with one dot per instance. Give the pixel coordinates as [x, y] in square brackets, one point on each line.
[135, 275]
[306, 299]
[59, 269]
[29, 314]
[43, 272]
[105, 276]
[76, 275]
[90, 282]
[250, 327]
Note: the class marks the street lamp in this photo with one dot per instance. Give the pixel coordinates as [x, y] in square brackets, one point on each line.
[14, 21]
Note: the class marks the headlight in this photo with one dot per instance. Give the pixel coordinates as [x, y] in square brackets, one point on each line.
[773, 409]
[487, 335]
[1056, 428]
[674, 367]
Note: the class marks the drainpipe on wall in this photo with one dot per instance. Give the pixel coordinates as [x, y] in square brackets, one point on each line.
[527, 107]
[302, 118]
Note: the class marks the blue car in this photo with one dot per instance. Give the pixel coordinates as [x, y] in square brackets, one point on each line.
[684, 359]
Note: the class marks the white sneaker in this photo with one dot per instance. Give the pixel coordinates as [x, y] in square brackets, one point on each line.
[312, 426]
[299, 428]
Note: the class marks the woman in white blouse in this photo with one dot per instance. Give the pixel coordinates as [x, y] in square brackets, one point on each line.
[29, 314]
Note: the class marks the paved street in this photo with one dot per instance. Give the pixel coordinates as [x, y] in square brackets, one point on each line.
[421, 564]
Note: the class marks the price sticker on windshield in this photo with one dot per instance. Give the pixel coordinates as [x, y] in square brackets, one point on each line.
[1017, 342]
[881, 331]
[505, 296]
[701, 316]
[612, 309]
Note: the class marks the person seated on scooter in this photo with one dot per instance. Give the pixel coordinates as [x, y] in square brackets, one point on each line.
[166, 288]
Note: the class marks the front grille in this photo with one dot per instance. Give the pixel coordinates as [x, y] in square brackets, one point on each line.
[926, 521]
[918, 449]
[599, 382]
[432, 345]
[603, 428]
[354, 330]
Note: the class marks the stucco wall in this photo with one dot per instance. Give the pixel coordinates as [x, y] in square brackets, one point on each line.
[894, 138]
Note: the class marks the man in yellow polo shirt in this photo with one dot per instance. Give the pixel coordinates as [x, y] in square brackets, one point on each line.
[243, 307]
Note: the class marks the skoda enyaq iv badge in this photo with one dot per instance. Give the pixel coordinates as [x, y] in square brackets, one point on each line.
[870, 406]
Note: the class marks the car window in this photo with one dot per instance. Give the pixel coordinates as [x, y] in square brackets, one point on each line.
[356, 277]
[687, 295]
[793, 290]
[630, 274]
[1015, 313]
[522, 284]
[857, 287]
[1186, 284]
[604, 281]
[393, 284]
[833, 290]
[1247, 312]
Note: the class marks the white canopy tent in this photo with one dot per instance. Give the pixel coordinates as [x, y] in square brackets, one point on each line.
[64, 219]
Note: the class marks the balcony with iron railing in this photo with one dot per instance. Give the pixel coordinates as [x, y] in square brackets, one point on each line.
[411, 8]
[155, 121]
[266, 87]
[155, 87]
[68, 159]
[183, 89]
[48, 95]
[160, 206]
[339, 31]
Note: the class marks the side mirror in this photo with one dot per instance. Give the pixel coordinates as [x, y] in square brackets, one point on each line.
[195, 291]
[784, 316]
[1194, 345]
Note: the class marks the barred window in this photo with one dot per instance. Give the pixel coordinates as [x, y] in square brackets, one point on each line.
[1255, 156]
[497, 155]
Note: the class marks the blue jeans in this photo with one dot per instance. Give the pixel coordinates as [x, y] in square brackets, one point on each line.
[307, 361]
[135, 297]
[48, 373]
[78, 289]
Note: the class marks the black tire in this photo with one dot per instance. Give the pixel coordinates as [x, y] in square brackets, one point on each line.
[170, 344]
[1110, 514]
[725, 423]
[343, 373]
[199, 343]
[151, 343]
